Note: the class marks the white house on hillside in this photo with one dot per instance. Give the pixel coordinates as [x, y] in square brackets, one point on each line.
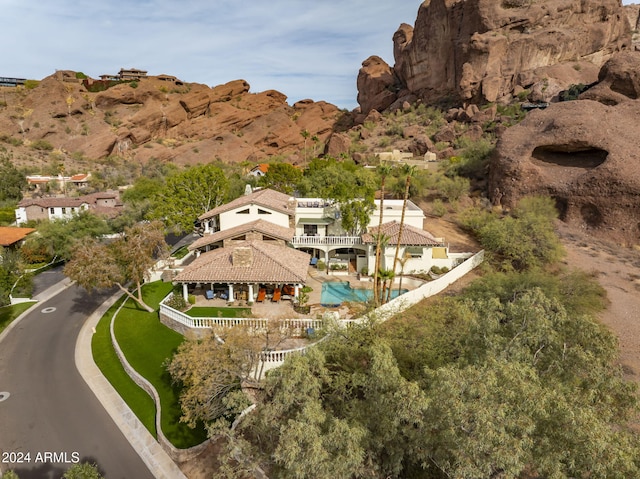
[234, 235]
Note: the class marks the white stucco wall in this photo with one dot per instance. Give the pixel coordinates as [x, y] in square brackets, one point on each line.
[230, 219]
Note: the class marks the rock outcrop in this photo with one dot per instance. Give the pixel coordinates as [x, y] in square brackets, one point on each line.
[583, 153]
[185, 123]
[482, 50]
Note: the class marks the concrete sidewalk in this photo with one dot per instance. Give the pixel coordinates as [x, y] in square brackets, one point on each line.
[152, 454]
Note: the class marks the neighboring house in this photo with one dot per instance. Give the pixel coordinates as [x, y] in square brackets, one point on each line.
[259, 170]
[52, 208]
[48, 209]
[131, 74]
[39, 182]
[12, 237]
[267, 218]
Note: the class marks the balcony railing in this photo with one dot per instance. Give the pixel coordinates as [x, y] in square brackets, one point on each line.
[327, 240]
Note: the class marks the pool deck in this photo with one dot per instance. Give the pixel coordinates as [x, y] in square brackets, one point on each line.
[284, 308]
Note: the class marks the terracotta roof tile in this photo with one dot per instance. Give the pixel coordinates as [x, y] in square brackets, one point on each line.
[270, 263]
[411, 236]
[10, 235]
[261, 226]
[267, 198]
[53, 202]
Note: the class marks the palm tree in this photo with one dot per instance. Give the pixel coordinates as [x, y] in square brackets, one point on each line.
[387, 276]
[383, 170]
[409, 171]
[402, 261]
[305, 134]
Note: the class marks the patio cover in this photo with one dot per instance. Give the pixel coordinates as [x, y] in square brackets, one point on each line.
[315, 221]
[248, 262]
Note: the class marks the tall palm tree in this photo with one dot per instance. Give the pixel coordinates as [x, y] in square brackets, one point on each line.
[408, 171]
[383, 170]
[305, 134]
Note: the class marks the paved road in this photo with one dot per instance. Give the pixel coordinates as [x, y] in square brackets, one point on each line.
[50, 409]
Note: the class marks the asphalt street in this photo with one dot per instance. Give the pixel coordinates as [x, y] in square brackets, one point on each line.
[50, 418]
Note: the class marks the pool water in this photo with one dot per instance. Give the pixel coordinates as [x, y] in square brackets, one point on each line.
[335, 293]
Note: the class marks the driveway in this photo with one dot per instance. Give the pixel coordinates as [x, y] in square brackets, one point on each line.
[49, 418]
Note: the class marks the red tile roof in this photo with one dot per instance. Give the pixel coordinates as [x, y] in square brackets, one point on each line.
[411, 236]
[270, 263]
[268, 198]
[260, 226]
[10, 235]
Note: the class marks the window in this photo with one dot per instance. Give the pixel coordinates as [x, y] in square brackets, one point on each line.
[243, 212]
[52, 211]
[73, 210]
[414, 251]
[263, 212]
[64, 210]
[310, 230]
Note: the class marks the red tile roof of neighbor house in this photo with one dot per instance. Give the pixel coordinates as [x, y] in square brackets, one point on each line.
[268, 198]
[53, 202]
[264, 167]
[259, 226]
[411, 236]
[10, 235]
[269, 263]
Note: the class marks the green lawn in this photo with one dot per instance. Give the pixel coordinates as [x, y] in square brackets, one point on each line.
[218, 312]
[105, 357]
[146, 343]
[9, 313]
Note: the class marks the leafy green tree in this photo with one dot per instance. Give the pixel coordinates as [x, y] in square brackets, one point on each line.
[12, 181]
[128, 259]
[188, 194]
[282, 177]
[57, 237]
[83, 471]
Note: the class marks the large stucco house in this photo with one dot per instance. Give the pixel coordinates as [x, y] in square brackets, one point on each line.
[267, 240]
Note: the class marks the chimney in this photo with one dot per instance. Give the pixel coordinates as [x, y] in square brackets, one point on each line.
[242, 257]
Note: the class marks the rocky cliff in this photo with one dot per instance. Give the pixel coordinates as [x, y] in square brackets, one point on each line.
[487, 50]
[583, 153]
[158, 118]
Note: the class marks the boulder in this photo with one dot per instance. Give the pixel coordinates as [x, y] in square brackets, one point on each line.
[583, 154]
[376, 83]
[619, 80]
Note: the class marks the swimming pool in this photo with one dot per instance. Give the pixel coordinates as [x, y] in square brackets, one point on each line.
[336, 293]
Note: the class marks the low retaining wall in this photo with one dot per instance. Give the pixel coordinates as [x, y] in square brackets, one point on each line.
[177, 455]
[431, 288]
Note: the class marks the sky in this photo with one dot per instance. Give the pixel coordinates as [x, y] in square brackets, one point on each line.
[302, 48]
[305, 49]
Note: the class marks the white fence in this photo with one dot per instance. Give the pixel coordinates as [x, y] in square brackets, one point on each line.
[253, 323]
[327, 240]
[431, 288]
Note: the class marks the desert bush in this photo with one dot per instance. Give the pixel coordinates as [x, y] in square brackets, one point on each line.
[41, 145]
[177, 302]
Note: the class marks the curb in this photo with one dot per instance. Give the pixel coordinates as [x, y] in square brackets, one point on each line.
[149, 450]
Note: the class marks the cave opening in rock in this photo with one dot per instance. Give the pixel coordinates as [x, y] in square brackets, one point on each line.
[591, 215]
[562, 205]
[569, 157]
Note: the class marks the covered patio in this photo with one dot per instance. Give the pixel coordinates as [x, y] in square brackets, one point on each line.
[250, 271]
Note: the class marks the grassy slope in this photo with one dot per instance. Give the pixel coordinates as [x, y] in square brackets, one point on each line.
[147, 344]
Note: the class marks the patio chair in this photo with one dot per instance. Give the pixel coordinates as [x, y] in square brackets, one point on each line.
[288, 290]
[224, 296]
[209, 294]
[276, 296]
[314, 262]
[262, 293]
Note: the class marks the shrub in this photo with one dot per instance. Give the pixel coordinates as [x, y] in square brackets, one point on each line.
[133, 84]
[31, 84]
[438, 209]
[436, 269]
[364, 271]
[41, 145]
[176, 301]
[321, 265]
[192, 299]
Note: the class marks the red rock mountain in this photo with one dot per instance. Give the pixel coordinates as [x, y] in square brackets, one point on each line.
[485, 50]
[152, 118]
